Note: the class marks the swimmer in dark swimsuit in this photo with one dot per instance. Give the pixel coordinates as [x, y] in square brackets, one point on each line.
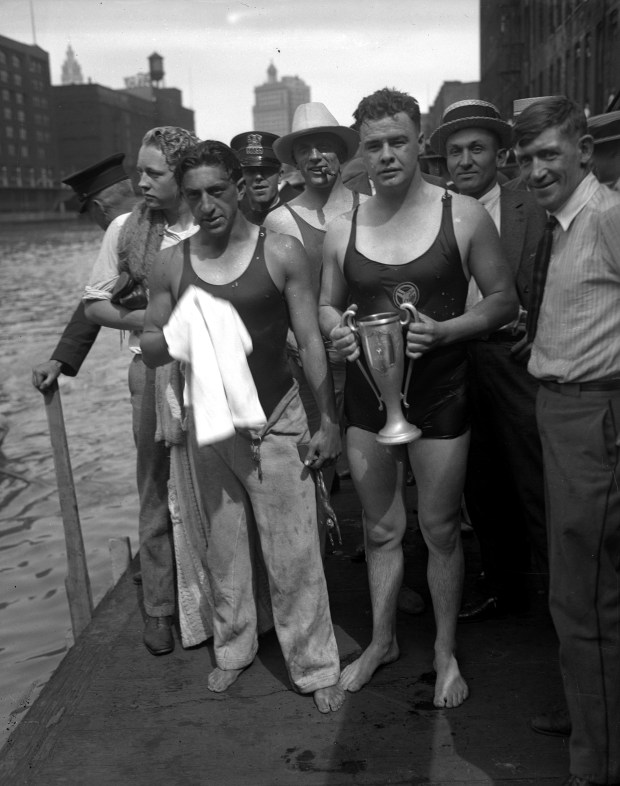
[412, 243]
[256, 490]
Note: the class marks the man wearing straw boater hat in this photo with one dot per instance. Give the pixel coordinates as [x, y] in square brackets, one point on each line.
[503, 490]
[411, 243]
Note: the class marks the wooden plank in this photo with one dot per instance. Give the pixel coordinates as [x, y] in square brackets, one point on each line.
[120, 555]
[114, 714]
[34, 739]
[77, 582]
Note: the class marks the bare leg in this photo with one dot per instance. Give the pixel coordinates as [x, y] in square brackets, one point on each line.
[439, 468]
[378, 474]
[329, 699]
[221, 679]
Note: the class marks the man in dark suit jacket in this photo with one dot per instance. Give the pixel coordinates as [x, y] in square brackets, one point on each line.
[504, 488]
[104, 192]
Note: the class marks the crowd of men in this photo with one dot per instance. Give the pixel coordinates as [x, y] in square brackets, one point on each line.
[515, 288]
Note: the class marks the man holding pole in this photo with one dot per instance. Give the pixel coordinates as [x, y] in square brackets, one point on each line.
[105, 192]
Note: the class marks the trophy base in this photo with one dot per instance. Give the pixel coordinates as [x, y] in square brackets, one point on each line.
[400, 437]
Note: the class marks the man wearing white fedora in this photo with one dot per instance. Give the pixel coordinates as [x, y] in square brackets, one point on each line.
[412, 242]
[318, 146]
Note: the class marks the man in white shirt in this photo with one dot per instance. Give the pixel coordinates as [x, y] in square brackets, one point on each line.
[130, 243]
[575, 357]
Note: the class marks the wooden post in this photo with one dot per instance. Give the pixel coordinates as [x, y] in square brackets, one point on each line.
[120, 554]
[77, 582]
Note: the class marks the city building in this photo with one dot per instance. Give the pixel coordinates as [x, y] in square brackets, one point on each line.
[276, 102]
[71, 69]
[548, 47]
[94, 121]
[448, 93]
[50, 131]
[28, 150]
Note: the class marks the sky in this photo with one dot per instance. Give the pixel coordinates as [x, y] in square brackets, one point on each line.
[217, 51]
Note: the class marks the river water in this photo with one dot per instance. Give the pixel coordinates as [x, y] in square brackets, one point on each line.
[43, 268]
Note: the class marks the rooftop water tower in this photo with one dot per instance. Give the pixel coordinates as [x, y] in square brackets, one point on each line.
[156, 69]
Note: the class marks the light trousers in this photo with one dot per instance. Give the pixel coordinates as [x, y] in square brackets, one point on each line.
[263, 499]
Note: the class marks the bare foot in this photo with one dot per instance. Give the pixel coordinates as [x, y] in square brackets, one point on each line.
[450, 688]
[221, 679]
[329, 699]
[358, 673]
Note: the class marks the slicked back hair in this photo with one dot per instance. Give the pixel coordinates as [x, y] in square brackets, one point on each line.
[386, 103]
[209, 153]
[554, 112]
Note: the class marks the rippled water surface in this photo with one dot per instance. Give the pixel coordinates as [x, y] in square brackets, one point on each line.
[43, 268]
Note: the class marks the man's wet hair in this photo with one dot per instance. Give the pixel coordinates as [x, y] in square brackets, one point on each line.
[173, 142]
[553, 112]
[209, 153]
[386, 103]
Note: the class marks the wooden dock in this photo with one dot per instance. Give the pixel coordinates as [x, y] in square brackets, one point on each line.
[114, 714]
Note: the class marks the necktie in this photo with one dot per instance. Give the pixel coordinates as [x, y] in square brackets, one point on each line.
[539, 276]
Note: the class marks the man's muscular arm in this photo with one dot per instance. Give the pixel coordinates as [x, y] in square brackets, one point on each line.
[334, 290]
[285, 254]
[281, 221]
[153, 342]
[107, 314]
[481, 249]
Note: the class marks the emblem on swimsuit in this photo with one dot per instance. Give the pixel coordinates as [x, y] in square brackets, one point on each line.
[407, 292]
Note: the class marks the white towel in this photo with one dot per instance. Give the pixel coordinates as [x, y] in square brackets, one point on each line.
[208, 334]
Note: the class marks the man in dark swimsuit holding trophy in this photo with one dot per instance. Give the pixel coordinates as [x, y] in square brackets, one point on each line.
[412, 243]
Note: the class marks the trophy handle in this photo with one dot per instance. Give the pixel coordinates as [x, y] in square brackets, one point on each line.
[348, 320]
[411, 313]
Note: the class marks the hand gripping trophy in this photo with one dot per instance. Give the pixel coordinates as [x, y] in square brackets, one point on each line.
[381, 337]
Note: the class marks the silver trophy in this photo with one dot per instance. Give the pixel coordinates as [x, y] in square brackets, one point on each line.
[381, 337]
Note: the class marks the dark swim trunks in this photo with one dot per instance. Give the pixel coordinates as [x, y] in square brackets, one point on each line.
[436, 285]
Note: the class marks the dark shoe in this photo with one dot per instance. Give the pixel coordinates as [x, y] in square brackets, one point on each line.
[554, 724]
[158, 638]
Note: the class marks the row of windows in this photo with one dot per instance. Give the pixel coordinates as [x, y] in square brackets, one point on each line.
[24, 177]
[19, 114]
[552, 15]
[12, 59]
[40, 102]
[9, 132]
[35, 84]
[35, 66]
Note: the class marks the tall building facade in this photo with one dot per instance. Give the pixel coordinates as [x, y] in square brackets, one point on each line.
[94, 121]
[28, 150]
[547, 47]
[276, 101]
[71, 70]
[449, 93]
[50, 131]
